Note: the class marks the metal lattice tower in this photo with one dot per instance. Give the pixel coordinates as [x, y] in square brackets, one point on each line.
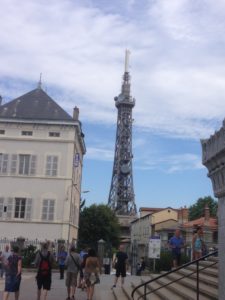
[121, 196]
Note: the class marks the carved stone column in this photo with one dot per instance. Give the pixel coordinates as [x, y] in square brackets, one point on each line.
[213, 157]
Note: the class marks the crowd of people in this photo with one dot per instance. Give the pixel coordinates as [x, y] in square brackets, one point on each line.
[83, 269]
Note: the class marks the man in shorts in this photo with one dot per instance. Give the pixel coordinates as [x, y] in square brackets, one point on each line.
[120, 263]
[73, 263]
[176, 243]
[44, 277]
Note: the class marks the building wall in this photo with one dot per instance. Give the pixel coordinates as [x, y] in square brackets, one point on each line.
[63, 187]
[163, 215]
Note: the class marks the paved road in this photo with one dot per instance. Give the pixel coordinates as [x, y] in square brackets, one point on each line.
[28, 289]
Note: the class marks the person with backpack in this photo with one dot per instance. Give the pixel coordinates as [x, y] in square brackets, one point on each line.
[43, 261]
[13, 270]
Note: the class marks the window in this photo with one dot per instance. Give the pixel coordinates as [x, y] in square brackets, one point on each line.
[51, 165]
[48, 210]
[3, 163]
[54, 134]
[23, 164]
[2, 131]
[23, 208]
[27, 132]
[20, 206]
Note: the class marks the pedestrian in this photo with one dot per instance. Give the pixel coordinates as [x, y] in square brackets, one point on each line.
[176, 243]
[61, 261]
[72, 263]
[198, 245]
[141, 266]
[92, 272]
[43, 261]
[13, 270]
[1, 265]
[4, 258]
[83, 257]
[120, 263]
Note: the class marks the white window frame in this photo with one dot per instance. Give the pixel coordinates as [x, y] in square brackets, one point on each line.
[4, 163]
[22, 208]
[48, 210]
[51, 168]
[23, 164]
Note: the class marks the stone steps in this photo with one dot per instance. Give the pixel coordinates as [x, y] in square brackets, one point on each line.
[184, 289]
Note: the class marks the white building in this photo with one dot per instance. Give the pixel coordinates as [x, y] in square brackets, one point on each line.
[41, 157]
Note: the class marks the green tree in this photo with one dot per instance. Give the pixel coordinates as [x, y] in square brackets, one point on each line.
[98, 222]
[197, 210]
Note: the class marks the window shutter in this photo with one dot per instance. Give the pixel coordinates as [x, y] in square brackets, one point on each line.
[13, 164]
[44, 209]
[51, 210]
[5, 163]
[1, 206]
[33, 164]
[9, 208]
[48, 166]
[28, 209]
[54, 166]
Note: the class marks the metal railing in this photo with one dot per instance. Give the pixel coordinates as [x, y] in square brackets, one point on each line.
[145, 284]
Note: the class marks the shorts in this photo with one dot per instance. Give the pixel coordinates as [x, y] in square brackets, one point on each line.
[176, 256]
[44, 282]
[12, 283]
[121, 271]
[71, 279]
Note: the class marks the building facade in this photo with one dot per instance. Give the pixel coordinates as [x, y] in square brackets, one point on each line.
[41, 158]
[161, 222]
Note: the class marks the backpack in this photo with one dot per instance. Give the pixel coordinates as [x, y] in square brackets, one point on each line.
[45, 265]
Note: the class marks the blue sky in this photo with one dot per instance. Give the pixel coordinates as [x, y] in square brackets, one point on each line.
[177, 74]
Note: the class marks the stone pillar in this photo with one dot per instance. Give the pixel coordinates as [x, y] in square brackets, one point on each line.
[221, 219]
[213, 157]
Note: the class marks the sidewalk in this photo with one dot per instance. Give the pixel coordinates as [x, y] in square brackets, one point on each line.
[28, 289]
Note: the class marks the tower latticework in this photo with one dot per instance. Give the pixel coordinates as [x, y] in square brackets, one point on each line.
[121, 196]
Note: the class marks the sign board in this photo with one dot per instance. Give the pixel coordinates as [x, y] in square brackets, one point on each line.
[154, 247]
[76, 160]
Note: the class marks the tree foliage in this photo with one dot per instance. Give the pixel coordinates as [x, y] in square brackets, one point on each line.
[98, 222]
[197, 210]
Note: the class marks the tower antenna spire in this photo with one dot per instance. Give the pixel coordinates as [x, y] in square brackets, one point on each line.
[121, 195]
[39, 82]
[127, 56]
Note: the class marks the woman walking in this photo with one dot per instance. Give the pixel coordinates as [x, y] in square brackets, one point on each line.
[198, 245]
[13, 269]
[91, 273]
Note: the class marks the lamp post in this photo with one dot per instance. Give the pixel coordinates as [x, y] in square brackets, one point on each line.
[101, 248]
[70, 223]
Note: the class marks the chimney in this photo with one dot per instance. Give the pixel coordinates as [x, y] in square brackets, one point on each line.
[76, 113]
[207, 213]
[179, 215]
[185, 214]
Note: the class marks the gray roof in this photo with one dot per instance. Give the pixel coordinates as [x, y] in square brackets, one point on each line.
[35, 105]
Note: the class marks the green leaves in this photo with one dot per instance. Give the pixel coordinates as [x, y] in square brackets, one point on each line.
[197, 210]
[98, 222]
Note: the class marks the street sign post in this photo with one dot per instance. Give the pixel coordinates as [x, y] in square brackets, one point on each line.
[154, 249]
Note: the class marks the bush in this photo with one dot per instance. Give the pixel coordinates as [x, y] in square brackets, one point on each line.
[28, 255]
[165, 262]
